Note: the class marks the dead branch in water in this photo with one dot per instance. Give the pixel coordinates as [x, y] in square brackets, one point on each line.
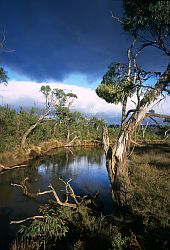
[69, 192]
[3, 168]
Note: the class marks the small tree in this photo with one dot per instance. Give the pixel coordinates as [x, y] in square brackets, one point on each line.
[62, 108]
[3, 76]
[54, 99]
[148, 23]
[46, 90]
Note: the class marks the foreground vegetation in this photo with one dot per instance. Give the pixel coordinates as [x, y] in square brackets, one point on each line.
[144, 225]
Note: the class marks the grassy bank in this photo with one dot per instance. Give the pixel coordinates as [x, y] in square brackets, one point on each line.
[20, 156]
[150, 177]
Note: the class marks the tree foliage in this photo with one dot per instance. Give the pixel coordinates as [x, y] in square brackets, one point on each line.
[116, 84]
[46, 90]
[13, 123]
[149, 21]
[3, 76]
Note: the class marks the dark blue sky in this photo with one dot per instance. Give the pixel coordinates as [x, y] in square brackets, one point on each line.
[55, 38]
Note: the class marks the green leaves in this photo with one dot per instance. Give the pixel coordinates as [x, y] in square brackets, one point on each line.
[140, 14]
[49, 227]
[62, 97]
[109, 93]
[46, 90]
[3, 76]
[115, 85]
[149, 20]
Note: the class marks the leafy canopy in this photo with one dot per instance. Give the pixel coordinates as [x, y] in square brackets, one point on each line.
[116, 84]
[149, 23]
[45, 89]
[3, 76]
[151, 14]
[148, 20]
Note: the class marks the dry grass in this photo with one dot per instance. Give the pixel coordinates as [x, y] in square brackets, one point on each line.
[25, 244]
[150, 176]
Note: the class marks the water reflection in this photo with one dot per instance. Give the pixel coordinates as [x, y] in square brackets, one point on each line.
[86, 168]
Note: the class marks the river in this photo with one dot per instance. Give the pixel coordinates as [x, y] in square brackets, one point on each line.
[85, 166]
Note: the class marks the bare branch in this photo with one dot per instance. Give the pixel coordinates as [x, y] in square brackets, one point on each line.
[3, 168]
[157, 115]
[29, 218]
[69, 150]
[143, 128]
[166, 135]
[2, 44]
[69, 190]
[70, 143]
[153, 120]
[152, 43]
[41, 118]
[116, 18]
[130, 111]
[24, 188]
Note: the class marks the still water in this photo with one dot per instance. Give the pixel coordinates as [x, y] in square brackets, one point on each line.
[85, 166]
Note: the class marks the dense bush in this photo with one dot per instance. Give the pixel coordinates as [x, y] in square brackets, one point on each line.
[14, 124]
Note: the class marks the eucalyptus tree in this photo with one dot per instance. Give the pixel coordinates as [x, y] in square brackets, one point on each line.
[148, 22]
[63, 102]
[3, 48]
[56, 100]
[3, 76]
[46, 90]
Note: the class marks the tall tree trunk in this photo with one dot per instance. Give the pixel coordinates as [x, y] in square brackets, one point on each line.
[123, 121]
[28, 132]
[116, 163]
[117, 156]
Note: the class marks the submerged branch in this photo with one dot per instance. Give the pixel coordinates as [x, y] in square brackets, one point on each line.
[69, 192]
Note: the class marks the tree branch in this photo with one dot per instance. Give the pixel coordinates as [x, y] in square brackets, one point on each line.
[41, 118]
[24, 188]
[69, 143]
[117, 18]
[3, 168]
[157, 115]
[35, 217]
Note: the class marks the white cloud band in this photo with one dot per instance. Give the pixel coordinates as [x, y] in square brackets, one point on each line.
[27, 94]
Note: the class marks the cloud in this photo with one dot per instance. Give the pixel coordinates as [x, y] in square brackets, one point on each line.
[27, 94]
[53, 39]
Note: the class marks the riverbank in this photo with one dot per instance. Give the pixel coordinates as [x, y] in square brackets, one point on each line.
[20, 157]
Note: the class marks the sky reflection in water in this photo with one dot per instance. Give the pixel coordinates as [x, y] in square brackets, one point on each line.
[86, 168]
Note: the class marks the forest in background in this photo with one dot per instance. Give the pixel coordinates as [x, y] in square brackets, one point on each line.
[64, 128]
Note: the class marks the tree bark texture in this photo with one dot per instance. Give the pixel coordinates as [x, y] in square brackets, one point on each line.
[117, 156]
[28, 132]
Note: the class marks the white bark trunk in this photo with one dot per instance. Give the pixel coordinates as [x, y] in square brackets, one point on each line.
[28, 132]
